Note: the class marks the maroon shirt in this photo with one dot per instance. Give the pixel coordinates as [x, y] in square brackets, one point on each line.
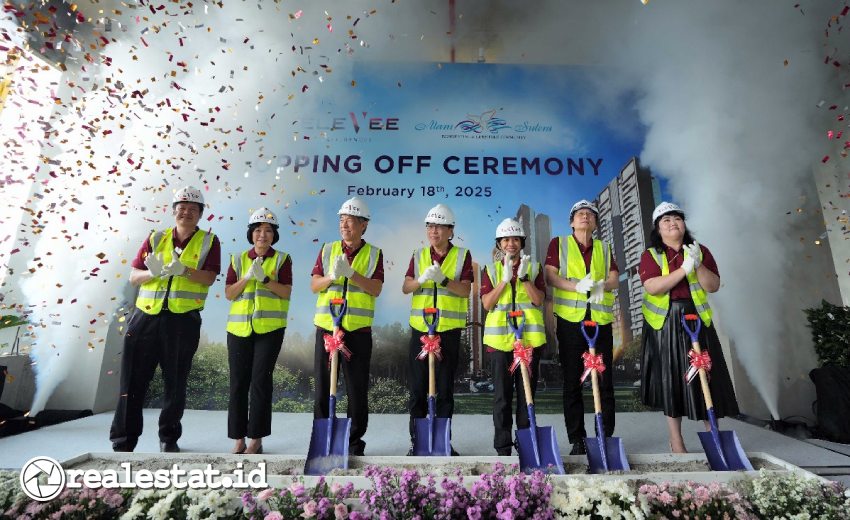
[211, 263]
[465, 271]
[284, 275]
[350, 253]
[486, 286]
[553, 255]
[649, 269]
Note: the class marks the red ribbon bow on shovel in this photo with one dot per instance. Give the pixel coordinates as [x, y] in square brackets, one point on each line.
[430, 345]
[698, 360]
[334, 342]
[522, 354]
[592, 362]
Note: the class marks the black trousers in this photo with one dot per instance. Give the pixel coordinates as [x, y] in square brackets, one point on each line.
[252, 360]
[356, 373]
[571, 345]
[504, 385]
[444, 370]
[170, 341]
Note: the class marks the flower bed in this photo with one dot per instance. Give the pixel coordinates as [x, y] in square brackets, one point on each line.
[504, 493]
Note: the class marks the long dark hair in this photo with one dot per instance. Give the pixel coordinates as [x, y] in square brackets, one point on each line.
[655, 240]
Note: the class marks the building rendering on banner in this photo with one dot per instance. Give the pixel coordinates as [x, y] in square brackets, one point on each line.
[625, 220]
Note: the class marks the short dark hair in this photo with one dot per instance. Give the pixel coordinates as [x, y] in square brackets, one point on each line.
[200, 206]
[255, 225]
[655, 240]
[521, 242]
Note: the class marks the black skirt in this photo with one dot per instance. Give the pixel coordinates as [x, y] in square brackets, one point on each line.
[664, 362]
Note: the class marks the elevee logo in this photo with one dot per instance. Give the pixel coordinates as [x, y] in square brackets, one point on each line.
[355, 120]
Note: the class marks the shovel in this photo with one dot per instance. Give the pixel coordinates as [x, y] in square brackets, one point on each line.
[722, 448]
[329, 440]
[537, 445]
[431, 435]
[603, 453]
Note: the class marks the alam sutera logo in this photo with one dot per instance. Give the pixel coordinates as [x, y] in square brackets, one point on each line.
[486, 125]
[486, 121]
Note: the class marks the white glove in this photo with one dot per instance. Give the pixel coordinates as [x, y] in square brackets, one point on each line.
[507, 268]
[689, 264]
[524, 260]
[341, 267]
[436, 273]
[425, 276]
[256, 271]
[175, 268]
[597, 292]
[585, 284]
[694, 251]
[154, 263]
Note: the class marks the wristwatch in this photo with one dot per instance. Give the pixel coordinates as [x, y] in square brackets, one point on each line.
[266, 280]
[445, 282]
[523, 279]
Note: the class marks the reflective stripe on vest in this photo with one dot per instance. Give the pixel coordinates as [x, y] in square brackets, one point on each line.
[497, 333]
[453, 308]
[184, 295]
[257, 309]
[656, 308]
[571, 305]
[361, 305]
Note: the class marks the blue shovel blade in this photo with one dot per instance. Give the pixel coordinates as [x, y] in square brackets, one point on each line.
[724, 453]
[431, 437]
[328, 446]
[613, 458]
[539, 451]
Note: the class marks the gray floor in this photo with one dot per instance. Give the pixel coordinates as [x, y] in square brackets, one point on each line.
[206, 432]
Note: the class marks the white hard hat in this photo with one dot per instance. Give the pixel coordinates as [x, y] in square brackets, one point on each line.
[356, 207]
[664, 208]
[509, 228]
[583, 204]
[263, 215]
[440, 214]
[188, 194]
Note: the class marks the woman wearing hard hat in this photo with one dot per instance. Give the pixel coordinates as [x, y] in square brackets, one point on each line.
[677, 272]
[512, 283]
[173, 269]
[439, 276]
[352, 269]
[259, 283]
[583, 273]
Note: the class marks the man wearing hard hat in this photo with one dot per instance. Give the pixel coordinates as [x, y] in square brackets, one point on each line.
[173, 269]
[583, 274]
[352, 269]
[512, 283]
[439, 276]
[259, 284]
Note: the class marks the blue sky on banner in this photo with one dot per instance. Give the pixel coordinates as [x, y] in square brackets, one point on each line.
[440, 120]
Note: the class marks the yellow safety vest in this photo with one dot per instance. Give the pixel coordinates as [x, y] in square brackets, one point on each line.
[571, 305]
[257, 309]
[453, 308]
[497, 333]
[655, 308]
[361, 305]
[184, 295]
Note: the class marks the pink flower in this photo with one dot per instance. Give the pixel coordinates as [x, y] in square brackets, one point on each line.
[677, 514]
[340, 512]
[310, 509]
[266, 494]
[665, 498]
[274, 515]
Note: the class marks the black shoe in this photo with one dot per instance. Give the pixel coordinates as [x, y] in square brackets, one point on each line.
[579, 448]
[122, 448]
[453, 452]
[169, 447]
[503, 452]
[357, 448]
[410, 451]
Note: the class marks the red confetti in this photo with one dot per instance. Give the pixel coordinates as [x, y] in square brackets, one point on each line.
[845, 10]
[825, 158]
[210, 217]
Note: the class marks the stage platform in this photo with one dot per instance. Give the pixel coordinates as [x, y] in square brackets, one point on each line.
[206, 432]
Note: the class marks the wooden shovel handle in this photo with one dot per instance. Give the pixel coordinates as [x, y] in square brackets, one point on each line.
[334, 366]
[526, 383]
[594, 380]
[432, 374]
[703, 379]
